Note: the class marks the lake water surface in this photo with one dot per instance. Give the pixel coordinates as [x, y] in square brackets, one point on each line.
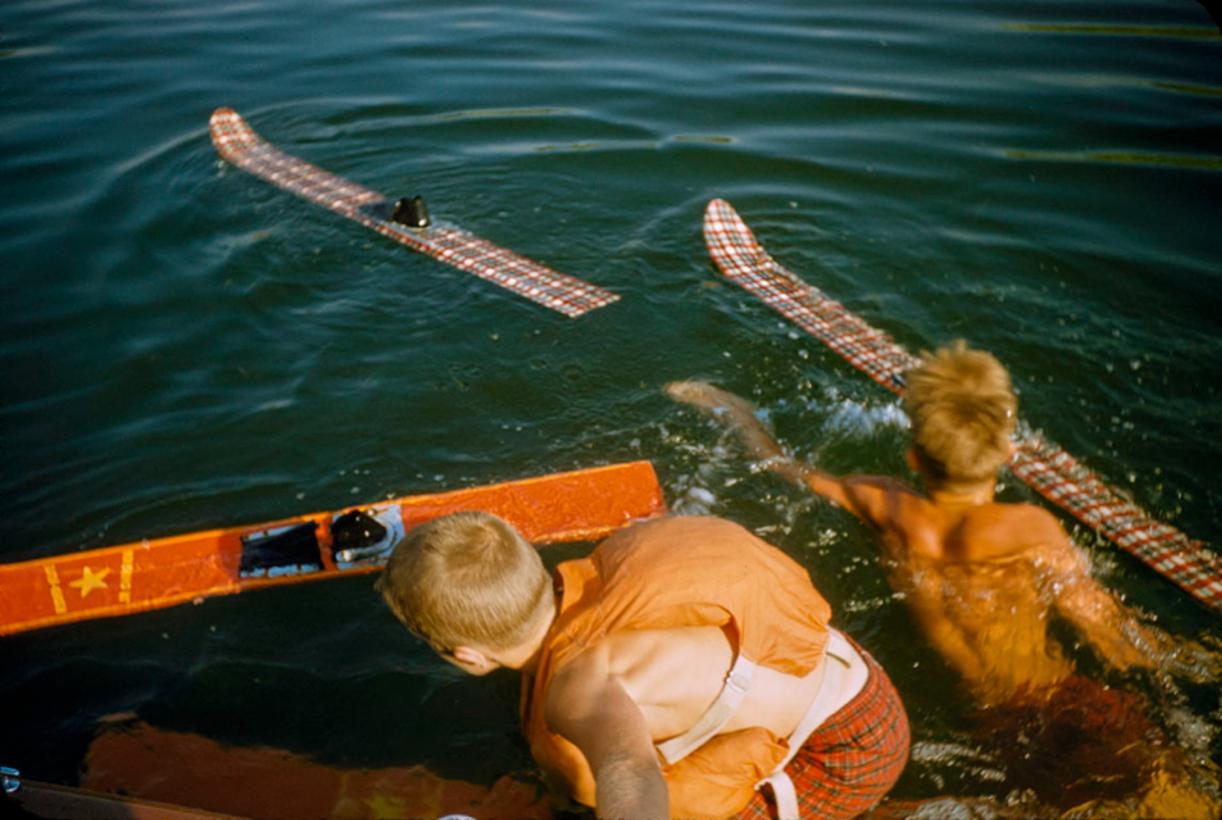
[185, 346]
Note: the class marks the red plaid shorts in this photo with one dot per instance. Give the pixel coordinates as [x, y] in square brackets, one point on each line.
[851, 761]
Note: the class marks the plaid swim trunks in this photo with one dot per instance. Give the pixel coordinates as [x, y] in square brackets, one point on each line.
[853, 759]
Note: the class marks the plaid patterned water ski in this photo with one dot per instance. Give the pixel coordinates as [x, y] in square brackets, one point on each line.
[237, 142]
[1048, 469]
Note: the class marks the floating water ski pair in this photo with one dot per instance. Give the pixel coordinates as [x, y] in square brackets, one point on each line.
[1041, 464]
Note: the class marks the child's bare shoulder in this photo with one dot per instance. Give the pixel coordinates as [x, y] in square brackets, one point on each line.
[1003, 532]
[1029, 515]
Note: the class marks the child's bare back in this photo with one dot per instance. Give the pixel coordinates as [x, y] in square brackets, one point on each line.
[982, 597]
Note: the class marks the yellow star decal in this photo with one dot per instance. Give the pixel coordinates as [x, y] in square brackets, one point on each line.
[90, 580]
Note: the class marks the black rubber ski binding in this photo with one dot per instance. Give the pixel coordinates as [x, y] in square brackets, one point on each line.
[358, 538]
[354, 530]
[411, 212]
[283, 551]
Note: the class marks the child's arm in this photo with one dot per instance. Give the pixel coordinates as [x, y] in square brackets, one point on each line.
[588, 706]
[873, 499]
[1110, 627]
[879, 501]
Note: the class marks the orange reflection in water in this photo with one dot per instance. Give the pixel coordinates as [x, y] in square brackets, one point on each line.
[262, 782]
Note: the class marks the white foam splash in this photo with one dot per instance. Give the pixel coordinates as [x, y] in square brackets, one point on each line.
[960, 756]
[855, 418]
[696, 501]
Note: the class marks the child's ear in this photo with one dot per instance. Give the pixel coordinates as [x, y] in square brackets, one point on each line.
[912, 459]
[471, 660]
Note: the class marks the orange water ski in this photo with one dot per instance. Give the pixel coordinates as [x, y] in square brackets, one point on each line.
[573, 506]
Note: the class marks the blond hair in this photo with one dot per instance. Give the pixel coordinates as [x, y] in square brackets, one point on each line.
[467, 579]
[962, 409]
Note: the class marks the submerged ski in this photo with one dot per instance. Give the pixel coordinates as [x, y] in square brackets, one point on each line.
[1045, 467]
[406, 221]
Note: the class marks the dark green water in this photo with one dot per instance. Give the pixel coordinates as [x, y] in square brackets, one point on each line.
[185, 346]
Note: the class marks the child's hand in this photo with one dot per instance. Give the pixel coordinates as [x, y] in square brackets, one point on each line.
[708, 398]
[739, 416]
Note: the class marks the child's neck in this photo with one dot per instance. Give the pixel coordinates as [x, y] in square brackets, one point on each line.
[532, 648]
[961, 494]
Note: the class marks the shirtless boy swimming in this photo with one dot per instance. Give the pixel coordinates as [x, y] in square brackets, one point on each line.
[674, 671]
[983, 579]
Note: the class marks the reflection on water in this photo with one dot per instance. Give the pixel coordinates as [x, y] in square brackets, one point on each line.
[1187, 88]
[1122, 158]
[498, 113]
[186, 769]
[1174, 32]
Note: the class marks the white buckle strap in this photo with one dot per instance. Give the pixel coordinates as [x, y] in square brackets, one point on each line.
[784, 792]
[841, 681]
[738, 681]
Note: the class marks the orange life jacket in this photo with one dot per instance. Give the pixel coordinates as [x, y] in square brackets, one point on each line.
[677, 572]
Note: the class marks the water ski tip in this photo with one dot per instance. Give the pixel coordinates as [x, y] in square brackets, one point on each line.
[230, 134]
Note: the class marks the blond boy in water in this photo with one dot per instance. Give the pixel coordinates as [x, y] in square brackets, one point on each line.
[982, 578]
